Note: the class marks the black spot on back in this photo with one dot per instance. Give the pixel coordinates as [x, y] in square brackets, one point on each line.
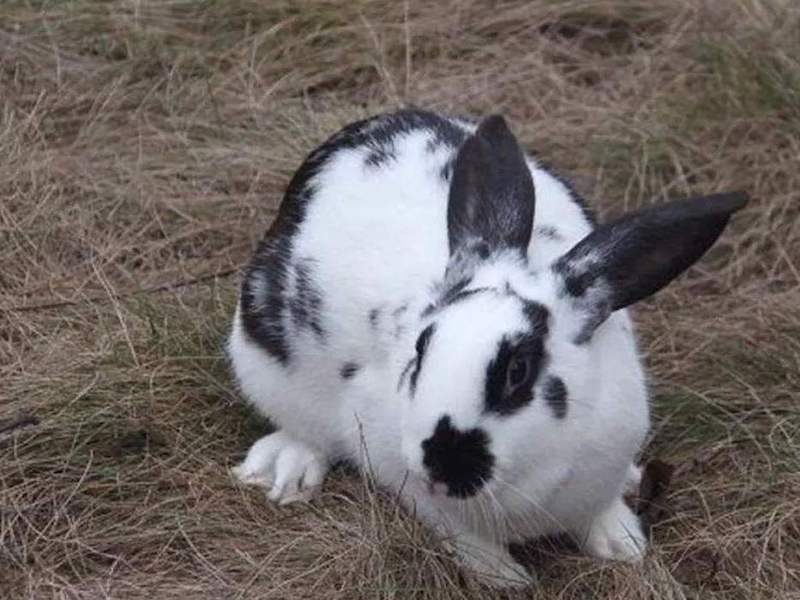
[262, 302]
[379, 156]
[264, 288]
[555, 394]
[380, 134]
[265, 299]
[459, 459]
[348, 370]
[306, 302]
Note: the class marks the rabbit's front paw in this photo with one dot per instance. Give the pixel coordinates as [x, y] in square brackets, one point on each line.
[617, 534]
[291, 470]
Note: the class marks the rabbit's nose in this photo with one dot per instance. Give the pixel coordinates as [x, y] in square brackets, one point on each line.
[459, 459]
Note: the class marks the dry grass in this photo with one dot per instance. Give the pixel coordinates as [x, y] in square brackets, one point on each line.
[143, 149]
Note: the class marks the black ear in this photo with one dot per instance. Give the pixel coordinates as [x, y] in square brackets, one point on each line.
[625, 261]
[491, 201]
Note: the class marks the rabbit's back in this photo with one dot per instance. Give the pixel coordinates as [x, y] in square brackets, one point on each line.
[361, 237]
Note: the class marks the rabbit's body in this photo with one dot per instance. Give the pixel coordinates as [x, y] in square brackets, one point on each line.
[362, 255]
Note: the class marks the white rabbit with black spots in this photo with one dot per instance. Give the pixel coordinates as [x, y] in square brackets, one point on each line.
[432, 301]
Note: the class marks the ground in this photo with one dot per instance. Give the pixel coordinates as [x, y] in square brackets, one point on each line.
[144, 146]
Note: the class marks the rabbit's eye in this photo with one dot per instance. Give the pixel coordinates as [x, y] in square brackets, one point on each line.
[518, 370]
[510, 376]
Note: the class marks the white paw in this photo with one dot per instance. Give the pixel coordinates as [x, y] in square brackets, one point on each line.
[490, 563]
[289, 469]
[617, 534]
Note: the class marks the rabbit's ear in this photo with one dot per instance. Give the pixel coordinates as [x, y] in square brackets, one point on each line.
[629, 259]
[491, 201]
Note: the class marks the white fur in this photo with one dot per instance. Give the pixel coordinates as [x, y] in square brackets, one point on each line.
[378, 237]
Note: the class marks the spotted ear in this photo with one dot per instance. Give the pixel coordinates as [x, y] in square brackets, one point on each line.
[629, 259]
[491, 202]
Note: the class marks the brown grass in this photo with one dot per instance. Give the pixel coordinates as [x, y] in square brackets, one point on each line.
[144, 146]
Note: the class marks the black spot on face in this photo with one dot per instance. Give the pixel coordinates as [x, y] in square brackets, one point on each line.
[555, 394]
[463, 295]
[459, 459]
[348, 370]
[582, 285]
[406, 370]
[537, 315]
[428, 310]
[373, 317]
[398, 312]
[576, 282]
[453, 291]
[399, 325]
[512, 373]
[423, 341]
[453, 295]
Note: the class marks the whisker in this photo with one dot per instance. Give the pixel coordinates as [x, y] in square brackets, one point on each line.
[499, 513]
[526, 517]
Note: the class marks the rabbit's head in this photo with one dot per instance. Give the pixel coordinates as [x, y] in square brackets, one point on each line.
[506, 369]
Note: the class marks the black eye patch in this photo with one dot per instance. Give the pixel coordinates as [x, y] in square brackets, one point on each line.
[512, 373]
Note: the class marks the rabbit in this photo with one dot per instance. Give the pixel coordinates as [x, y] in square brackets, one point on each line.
[435, 305]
